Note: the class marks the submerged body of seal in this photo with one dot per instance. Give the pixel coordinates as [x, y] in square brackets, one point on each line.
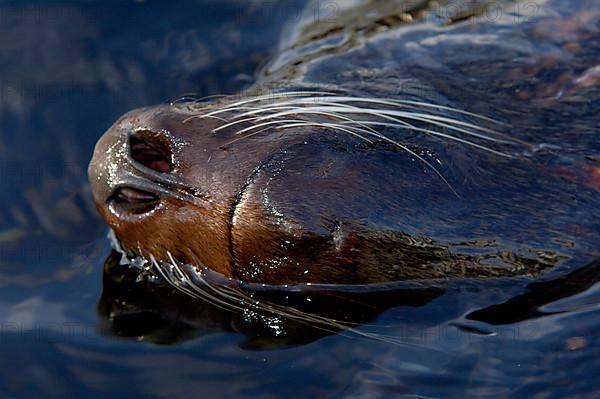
[378, 151]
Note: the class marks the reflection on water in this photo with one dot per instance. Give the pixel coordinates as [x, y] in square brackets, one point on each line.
[151, 310]
[75, 325]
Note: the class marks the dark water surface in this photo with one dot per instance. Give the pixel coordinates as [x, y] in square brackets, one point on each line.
[71, 327]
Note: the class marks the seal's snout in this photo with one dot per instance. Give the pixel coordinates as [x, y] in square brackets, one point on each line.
[128, 167]
[154, 188]
[147, 149]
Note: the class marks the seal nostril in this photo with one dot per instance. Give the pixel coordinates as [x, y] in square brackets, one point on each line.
[150, 149]
[132, 200]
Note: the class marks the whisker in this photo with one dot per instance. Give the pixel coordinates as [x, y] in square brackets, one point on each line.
[393, 102]
[192, 290]
[323, 323]
[273, 95]
[289, 123]
[388, 102]
[238, 296]
[427, 118]
[224, 110]
[166, 276]
[440, 134]
[259, 125]
[326, 125]
[325, 104]
[436, 133]
[403, 147]
[432, 119]
[229, 124]
[246, 136]
[230, 299]
[306, 111]
[291, 109]
[433, 132]
[203, 116]
[219, 290]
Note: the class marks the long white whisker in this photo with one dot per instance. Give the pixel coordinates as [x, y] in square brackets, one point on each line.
[271, 96]
[224, 110]
[325, 101]
[428, 118]
[269, 123]
[403, 147]
[307, 111]
[247, 136]
[219, 290]
[203, 116]
[300, 122]
[436, 133]
[323, 323]
[236, 296]
[174, 283]
[393, 102]
[230, 299]
[433, 132]
[346, 129]
[235, 123]
[339, 100]
[286, 106]
[431, 119]
[235, 300]
[300, 110]
[289, 123]
[193, 290]
[332, 106]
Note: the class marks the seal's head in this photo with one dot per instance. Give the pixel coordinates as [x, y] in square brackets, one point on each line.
[312, 194]
[171, 187]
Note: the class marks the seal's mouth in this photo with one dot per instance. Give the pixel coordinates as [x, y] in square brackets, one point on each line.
[132, 201]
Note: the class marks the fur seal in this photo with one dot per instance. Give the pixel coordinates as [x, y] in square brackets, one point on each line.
[376, 152]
